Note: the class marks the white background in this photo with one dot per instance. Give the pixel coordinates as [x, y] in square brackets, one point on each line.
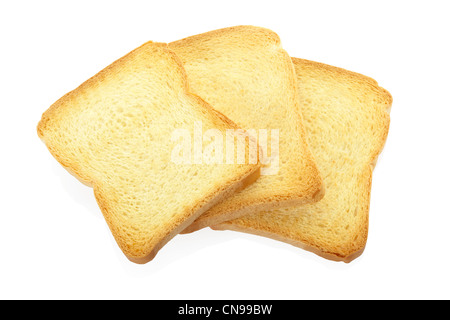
[54, 243]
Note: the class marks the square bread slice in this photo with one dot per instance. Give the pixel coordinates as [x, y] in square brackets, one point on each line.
[114, 133]
[244, 73]
[347, 117]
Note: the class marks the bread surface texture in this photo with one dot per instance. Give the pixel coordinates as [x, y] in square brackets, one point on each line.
[347, 118]
[114, 133]
[244, 73]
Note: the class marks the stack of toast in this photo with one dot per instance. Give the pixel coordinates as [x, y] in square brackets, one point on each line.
[224, 130]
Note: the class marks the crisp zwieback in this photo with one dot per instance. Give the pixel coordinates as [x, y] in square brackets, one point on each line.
[244, 73]
[114, 133]
[347, 119]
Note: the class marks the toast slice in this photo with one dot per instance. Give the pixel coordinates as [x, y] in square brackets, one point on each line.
[347, 118]
[244, 73]
[114, 133]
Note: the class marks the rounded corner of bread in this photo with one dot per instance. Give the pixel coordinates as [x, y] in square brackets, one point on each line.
[43, 124]
[354, 255]
[388, 99]
[334, 256]
[331, 254]
[341, 251]
[140, 259]
[269, 34]
[40, 129]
